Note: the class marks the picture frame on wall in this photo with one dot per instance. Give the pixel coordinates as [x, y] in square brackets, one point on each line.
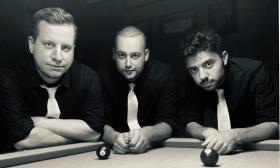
[222, 16]
[136, 3]
[177, 24]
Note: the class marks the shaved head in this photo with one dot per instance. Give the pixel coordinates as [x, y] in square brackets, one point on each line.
[130, 53]
[131, 31]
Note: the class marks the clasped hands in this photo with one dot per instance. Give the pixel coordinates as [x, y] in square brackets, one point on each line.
[134, 141]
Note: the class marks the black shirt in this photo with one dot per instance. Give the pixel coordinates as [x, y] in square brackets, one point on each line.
[155, 91]
[249, 92]
[21, 96]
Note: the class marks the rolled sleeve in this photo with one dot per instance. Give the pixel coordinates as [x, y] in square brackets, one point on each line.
[14, 117]
[266, 98]
[167, 103]
[19, 130]
[188, 101]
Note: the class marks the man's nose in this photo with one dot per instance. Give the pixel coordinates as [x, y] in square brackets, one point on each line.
[57, 54]
[127, 62]
[203, 75]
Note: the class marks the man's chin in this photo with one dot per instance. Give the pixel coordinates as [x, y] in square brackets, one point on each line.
[51, 76]
[209, 88]
[131, 77]
[54, 76]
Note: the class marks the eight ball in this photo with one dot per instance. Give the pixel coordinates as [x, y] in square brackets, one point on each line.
[209, 157]
[103, 152]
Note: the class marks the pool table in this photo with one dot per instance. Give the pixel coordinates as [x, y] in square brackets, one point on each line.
[175, 152]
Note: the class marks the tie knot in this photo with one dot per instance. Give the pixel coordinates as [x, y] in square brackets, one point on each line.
[51, 90]
[220, 93]
[131, 86]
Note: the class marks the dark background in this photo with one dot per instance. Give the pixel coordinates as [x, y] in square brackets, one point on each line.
[249, 27]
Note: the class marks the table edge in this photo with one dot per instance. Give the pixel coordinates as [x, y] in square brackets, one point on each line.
[27, 156]
[266, 145]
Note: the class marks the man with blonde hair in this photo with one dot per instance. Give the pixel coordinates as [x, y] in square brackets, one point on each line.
[50, 99]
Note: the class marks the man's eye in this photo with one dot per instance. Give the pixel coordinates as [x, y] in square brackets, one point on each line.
[209, 64]
[135, 56]
[49, 44]
[193, 70]
[66, 48]
[121, 55]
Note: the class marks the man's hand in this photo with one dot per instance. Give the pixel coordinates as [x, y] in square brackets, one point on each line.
[139, 141]
[222, 141]
[121, 143]
[209, 132]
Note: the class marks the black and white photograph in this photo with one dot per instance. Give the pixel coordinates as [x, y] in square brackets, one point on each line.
[139, 83]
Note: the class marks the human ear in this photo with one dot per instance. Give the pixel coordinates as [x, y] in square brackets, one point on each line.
[31, 44]
[225, 57]
[147, 54]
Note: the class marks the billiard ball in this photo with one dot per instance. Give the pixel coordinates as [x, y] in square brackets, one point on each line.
[209, 157]
[103, 152]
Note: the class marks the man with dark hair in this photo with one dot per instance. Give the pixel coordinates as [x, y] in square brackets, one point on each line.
[139, 95]
[228, 101]
[50, 99]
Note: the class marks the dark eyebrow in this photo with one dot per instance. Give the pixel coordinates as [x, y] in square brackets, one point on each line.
[207, 61]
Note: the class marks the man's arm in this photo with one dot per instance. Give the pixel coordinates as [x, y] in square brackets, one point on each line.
[225, 141]
[200, 132]
[159, 132]
[258, 132]
[91, 123]
[69, 128]
[109, 135]
[141, 138]
[41, 137]
[15, 119]
[165, 109]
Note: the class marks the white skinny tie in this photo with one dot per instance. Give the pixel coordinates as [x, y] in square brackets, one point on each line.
[222, 112]
[132, 108]
[53, 108]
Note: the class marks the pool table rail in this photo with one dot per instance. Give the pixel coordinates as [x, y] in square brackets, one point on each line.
[28, 156]
[267, 145]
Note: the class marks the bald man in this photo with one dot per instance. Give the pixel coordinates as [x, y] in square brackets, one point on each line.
[139, 95]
